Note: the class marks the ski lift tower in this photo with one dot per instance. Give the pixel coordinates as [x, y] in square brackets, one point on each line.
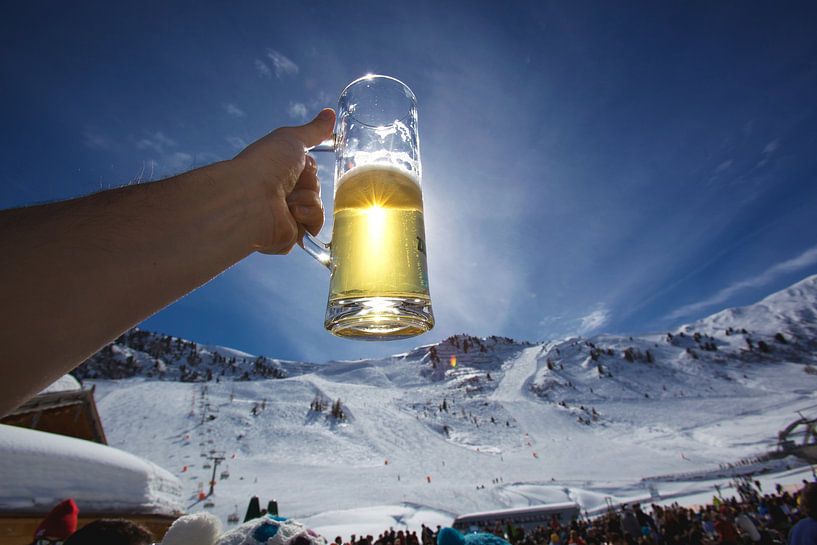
[216, 458]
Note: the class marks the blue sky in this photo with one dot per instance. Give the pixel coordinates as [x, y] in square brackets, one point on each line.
[587, 167]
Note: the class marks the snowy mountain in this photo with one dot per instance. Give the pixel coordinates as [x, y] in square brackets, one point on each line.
[469, 423]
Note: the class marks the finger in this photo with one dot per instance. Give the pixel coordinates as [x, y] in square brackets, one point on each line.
[286, 233]
[309, 176]
[301, 233]
[310, 217]
[317, 130]
[304, 197]
[307, 210]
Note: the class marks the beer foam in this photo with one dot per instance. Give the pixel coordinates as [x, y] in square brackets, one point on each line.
[379, 167]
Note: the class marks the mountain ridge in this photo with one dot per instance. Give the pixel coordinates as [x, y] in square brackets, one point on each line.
[790, 313]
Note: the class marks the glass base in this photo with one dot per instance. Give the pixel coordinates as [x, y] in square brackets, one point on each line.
[379, 318]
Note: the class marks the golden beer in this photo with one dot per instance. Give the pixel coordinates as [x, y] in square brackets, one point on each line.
[378, 255]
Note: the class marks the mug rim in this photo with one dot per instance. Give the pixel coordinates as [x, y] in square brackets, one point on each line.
[410, 94]
[379, 76]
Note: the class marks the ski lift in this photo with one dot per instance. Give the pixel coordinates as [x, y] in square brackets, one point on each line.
[225, 474]
[232, 518]
[208, 504]
[207, 465]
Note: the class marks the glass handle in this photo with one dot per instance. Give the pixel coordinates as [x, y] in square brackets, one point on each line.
[317, 249]
[326, 145]
[311, 245]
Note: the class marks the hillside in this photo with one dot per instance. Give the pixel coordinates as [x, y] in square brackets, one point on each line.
[466, 424]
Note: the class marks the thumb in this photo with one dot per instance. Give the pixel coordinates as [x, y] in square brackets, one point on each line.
[317, 130]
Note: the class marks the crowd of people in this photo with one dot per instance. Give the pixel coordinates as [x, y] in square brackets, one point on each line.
[757, 517]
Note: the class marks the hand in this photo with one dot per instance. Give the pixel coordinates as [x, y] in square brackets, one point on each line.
[282, 191]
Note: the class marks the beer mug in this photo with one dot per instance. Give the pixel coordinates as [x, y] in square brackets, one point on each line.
[378, 288]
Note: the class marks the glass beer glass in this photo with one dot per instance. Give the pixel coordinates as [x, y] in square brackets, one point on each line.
[378, 288]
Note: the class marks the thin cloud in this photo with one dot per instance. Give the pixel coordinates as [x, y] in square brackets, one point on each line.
[171, 163]
[772, 146]
[262, 68]
[157, 141]
[282, 64]
[806, 259]
[234, 110]
[297, 110]
[767, 152]
[723, 166]
[95, 140]
[561, 326]
[178, 161]
[593, 321]
[237, 142]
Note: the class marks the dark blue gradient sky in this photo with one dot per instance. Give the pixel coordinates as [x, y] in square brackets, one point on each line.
[588, 166]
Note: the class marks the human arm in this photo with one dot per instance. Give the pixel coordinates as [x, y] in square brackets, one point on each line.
[78, 273]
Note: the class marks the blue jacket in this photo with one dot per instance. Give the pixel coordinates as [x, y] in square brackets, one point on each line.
[804, 532]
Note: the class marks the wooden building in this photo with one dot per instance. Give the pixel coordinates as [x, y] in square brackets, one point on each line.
[67, 412]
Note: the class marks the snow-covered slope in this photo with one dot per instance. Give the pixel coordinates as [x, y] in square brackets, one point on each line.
[467, 424]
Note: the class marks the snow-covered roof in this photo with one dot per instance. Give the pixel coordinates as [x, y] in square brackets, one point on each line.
[63, 384]
[40, 469]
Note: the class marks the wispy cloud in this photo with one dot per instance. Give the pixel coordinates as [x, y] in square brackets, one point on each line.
[236, 141]
[282, 64]
[297, 110]
[177, 161]
[772, 146]
[157, 141]
[164, 158]
[594, 321]
[233, 110]
[95, 140]
[262, 68]
[724, 166]
[768, 151]
[805, 259]
[561, 326]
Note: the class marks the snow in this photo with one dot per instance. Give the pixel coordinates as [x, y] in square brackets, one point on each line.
[334, 476]
[655, 418]
[63, 384]
[40, 469]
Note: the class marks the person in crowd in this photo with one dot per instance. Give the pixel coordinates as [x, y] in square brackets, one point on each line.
[726, 529]
[60, 523]
[112, 532]
[746, 527]
[630, 526]
[805, 531]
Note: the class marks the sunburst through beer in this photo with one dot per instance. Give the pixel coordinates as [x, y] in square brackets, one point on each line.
[378, 241]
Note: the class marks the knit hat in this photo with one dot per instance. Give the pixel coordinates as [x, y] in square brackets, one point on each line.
[450, 536]
[61, 522]
[198, 528]
[271, 530]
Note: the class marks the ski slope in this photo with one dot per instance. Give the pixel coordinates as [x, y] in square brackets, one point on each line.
[472, 424]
